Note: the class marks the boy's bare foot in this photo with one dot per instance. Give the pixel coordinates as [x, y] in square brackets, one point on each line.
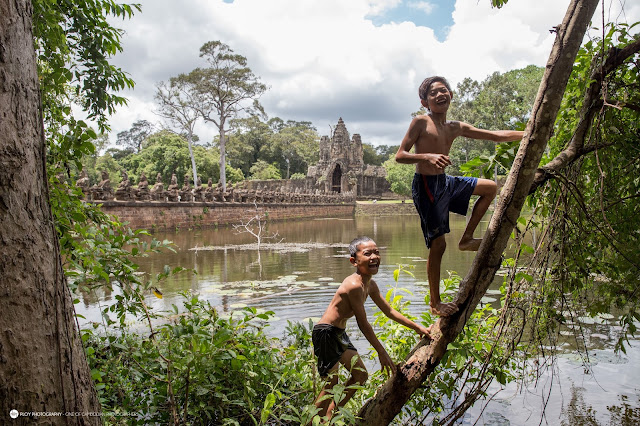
[469, 244]
[444, 309]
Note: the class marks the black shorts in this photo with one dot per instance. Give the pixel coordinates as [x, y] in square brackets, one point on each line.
[329, 343]
[436, 196]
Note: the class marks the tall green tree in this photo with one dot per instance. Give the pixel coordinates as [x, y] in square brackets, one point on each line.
[294, 147]
[370, 156]
[225, 88]
[177, 101]
[244, 145]
[167, 153]
[290, 145]
[399, 176]
[135, 136]
[501, 101]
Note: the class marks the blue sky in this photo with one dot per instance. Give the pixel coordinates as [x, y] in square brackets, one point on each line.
[432, 14]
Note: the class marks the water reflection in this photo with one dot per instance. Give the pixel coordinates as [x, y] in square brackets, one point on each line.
[300, 282]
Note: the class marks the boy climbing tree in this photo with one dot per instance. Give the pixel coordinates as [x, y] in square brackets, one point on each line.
[435, 193]
[330, 341]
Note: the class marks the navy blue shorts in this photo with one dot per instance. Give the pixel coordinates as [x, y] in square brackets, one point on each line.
[329, 343]
[436, 196]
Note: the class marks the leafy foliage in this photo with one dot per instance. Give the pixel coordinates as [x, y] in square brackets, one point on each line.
[591, 209]
[74, 42]
[262, 170]
[202, 367]
[399, 176]
[290, 146]
[583, 264]
[477, 357]
[501, 101]
[168, 153]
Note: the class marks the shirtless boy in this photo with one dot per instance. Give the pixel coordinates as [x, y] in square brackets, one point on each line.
[330, 341]
[435, 193]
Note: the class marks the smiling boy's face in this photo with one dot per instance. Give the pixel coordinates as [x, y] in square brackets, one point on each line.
[438, 98]
[367, 259]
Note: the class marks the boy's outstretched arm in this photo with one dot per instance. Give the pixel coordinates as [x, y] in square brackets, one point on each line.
[468, 131]
[391, 313]
[356, 299]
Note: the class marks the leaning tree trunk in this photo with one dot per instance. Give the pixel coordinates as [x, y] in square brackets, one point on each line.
[391, 397]
[43, 367]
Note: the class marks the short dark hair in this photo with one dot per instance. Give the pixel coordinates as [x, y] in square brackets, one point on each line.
[426, 85]
[353, 245]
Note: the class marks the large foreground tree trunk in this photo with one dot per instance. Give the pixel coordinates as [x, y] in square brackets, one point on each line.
[43, 367]
[392, 396]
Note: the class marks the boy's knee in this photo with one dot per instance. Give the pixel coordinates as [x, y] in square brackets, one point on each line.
[487, 188]
[493, 189]
[360, 376]
[439, 244]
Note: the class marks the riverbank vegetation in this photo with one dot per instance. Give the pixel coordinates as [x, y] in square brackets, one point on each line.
[195, 364]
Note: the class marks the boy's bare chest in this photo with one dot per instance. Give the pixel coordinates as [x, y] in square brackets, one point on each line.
[432, 142]
[436, 138]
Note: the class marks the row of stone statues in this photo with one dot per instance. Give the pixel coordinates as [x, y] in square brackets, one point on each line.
[174, 193]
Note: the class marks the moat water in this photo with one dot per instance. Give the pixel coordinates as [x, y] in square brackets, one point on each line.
[297, 282]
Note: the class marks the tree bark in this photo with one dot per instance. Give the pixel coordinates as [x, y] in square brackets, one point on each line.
[223, 156]
[391, 397]
[43, 367]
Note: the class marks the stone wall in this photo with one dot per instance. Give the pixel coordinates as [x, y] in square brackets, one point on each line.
[385, 209]
[169, 216]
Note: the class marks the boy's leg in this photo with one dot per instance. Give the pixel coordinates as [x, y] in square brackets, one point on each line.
[331, 381]
[487, 190]
[438, 246]
[359, 376]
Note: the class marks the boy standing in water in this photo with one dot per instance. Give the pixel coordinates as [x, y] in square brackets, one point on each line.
[330, 341]
[435, 193]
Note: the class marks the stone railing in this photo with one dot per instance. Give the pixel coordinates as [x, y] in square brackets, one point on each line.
[176, 194]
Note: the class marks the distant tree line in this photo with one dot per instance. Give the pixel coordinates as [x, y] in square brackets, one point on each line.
[259, 147]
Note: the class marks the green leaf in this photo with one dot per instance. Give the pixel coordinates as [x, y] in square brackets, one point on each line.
[266, 408]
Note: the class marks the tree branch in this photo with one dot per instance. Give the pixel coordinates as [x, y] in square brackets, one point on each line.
[592, 103]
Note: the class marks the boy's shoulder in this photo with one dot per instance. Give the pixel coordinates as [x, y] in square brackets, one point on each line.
[422, 118]
[351, 284]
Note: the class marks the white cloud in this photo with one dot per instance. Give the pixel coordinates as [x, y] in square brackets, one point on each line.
[378, 7]
[324, 59]
[423, 6]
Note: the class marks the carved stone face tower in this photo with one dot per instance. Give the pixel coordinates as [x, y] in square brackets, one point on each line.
[341, 161]
[341, 167]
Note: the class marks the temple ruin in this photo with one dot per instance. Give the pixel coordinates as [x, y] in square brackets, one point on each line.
[341, 167]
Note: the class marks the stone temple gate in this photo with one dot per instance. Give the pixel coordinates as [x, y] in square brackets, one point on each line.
[341, 166]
